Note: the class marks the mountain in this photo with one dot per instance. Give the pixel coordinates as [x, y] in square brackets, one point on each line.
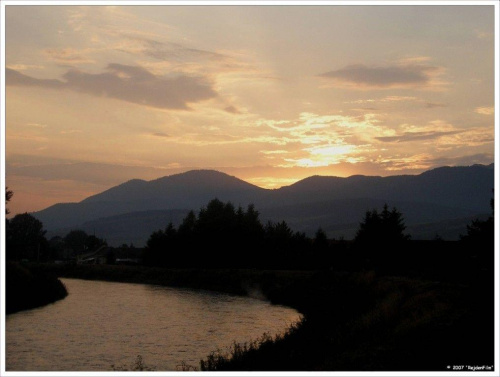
[129, 228]
[190, 190]
[461, 187]
[439, 201]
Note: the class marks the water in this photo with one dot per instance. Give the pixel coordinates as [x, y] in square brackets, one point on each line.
[100, 324]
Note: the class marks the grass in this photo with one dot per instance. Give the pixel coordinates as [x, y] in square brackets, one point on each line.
[365, 323]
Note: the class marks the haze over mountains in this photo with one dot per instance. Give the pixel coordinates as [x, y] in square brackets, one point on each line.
[441, 201]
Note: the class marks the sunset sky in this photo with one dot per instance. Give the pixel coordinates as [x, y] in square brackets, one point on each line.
[98, 95]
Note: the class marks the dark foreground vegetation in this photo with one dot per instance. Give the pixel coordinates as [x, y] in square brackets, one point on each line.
[381, 302]
[28, 288]
[361, 322]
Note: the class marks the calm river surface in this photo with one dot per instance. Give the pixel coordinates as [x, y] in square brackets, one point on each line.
[100, 324]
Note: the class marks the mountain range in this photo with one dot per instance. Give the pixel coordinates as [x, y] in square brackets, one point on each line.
[438, 202]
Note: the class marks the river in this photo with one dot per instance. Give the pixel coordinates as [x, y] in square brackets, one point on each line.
[101, 324]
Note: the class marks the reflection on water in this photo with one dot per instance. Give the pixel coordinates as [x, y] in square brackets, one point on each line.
[101, 324]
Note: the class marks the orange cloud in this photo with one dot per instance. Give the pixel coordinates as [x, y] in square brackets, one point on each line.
[485, 110]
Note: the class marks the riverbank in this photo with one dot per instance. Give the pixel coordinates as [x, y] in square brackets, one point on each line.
[366, 323]
[355, 321]
[268, 285]
[29, 288]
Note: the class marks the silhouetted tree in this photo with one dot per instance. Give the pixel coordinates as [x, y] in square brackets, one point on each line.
[25, 238]
[92, 242]
[320, 249]
[320, 240]
[76, 240]
[480, 238]
[379, 239]
[161, 247]
[57, 247]
[222, 236]
[8, 196]
[386, 227]
[187, 227]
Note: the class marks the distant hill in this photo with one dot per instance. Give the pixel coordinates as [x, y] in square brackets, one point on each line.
[129, 228]
[189, 190]
[437, 202]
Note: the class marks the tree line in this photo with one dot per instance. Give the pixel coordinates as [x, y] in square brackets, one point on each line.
[221, 235]
[224, 236]
[25, 239]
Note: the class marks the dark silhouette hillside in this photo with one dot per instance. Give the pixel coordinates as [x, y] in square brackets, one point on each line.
[181, 191]
[440, 202]
[460, 187]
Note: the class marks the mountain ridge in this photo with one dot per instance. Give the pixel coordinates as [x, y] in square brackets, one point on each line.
[465, 190]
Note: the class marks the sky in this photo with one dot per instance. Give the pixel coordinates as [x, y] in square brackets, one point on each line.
[98, 95]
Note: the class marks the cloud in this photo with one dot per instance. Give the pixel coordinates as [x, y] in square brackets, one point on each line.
[232, 110]
[169, 50]
[24, 67]
[433, 130]
[182, 58]
[365, 109]
[161, 134]
[127, 83]
[469, 138]
[360, 76]
[485, 110]
[398, 99]
[416, 162]
[432, 105]
[480, 158]
[68, 56]
[484, 34]
[69, 132]
[414, 136]
[81, 171]
[16, 78]
[276, 151]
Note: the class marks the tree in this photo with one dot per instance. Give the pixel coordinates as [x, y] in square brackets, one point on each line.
[320, 242]
[92, 242]
[379, 239]
[76, 240]
[8, 196]
[25, 238]
[481, 230]
[186, 229]
[481, 238]
[386, 227]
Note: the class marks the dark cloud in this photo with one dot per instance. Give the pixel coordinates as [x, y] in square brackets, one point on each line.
[362, 76]
[480, 158]
[128, 83]
[161, 134]
[161, 51]
[431, 105]
[168, 50]
[231, 109]
[363, 109]
[16, 78]
[415, 136]
[88, 172]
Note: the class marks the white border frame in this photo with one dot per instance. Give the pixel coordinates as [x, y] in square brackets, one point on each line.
[5, 3]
